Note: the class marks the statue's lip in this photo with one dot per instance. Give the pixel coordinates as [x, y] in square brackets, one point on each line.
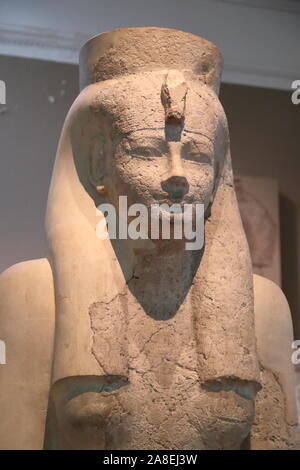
[164, 214]
[180, 202]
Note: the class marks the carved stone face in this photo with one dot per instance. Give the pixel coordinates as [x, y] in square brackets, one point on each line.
[162, 153]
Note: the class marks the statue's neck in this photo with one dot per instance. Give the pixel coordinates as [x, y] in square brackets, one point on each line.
[159, 276]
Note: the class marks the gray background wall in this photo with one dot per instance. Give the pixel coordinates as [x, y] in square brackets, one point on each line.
[265, 141]
[30, 125]
[258, 38]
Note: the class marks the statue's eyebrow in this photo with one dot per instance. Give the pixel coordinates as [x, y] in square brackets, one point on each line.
[145, 129]
[188, 131]
[197, 133]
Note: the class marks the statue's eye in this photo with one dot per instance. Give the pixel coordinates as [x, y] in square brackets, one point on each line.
[145, 152]
[196, 153]
[199, 157]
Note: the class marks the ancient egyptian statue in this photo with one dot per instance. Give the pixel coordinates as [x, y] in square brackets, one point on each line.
[143, 344]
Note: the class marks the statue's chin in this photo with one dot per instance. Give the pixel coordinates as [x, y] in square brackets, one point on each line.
[169, 247]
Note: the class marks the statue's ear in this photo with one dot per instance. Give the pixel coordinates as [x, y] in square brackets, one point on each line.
[97, 164]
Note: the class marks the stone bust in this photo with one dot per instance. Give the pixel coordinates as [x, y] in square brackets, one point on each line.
[141, 344]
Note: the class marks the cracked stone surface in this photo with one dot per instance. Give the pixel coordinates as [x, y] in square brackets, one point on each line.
[163, 404]
[271, 419]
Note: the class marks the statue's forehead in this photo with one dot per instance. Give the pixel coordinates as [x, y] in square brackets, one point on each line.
[135, 103]
[156, 138]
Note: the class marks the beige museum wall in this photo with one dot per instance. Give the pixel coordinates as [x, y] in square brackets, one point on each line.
[265, 140]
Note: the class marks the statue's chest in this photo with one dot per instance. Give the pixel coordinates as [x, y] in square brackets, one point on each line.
[159, 358]
[162, 404]
[125, 338]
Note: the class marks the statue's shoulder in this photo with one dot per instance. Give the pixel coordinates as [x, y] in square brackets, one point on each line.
[273, 324]
[273, 321]
[274, 335]
[26, 300]
[29, 283]
[27, 330]
[270, 303]
[40, 267]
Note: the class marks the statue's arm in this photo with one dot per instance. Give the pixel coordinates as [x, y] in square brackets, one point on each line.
[275, 424]
[26, 328]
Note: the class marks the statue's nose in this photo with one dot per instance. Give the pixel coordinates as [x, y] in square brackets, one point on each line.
[176, 184]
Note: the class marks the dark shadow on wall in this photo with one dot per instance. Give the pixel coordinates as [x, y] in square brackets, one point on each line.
[289, 258]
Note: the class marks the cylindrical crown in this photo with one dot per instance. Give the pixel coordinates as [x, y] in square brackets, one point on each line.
[132, 50]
